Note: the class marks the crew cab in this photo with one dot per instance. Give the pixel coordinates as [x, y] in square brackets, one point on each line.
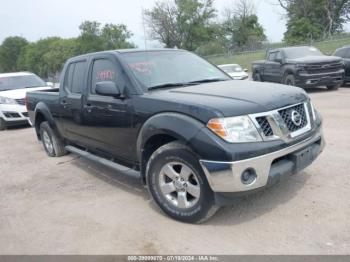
[197, 138]
[303, 66]
[13, 89]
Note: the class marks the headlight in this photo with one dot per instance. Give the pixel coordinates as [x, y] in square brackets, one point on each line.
[238, 129]
[301, 67]
[5, 100]
[313, 111]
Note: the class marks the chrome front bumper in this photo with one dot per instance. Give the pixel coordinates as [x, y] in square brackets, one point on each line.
[226, 176]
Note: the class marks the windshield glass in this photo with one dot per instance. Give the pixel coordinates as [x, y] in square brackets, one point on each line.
[156, 68]
[298, 52]
[231, 68]
[19, 82]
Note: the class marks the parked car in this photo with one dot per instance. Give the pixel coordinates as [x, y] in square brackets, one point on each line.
[303, 66]
[13, 89]
[235, 71]
[197, 139]
[344, 53]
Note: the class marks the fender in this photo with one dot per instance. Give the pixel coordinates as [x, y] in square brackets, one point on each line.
[41, 108]
[179, 126]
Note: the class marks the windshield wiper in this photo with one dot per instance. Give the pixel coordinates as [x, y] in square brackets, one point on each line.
[208, 80]
[165, 85]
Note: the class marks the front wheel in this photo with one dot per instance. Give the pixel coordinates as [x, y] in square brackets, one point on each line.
[289, 80]
[178, 185]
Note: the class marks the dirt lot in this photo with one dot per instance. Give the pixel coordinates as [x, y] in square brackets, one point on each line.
[71, 206]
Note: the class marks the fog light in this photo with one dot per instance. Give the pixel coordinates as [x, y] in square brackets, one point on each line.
[248, 176]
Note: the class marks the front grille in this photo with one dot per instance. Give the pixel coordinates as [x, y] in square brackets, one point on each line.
[286, 115]
[265, 125]
[25, 114]
[11, 114]
[324, 67]
[21, 101]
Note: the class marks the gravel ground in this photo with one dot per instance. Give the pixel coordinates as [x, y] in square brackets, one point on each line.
[71, 206]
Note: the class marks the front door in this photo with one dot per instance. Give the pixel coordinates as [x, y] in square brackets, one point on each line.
[108, 120]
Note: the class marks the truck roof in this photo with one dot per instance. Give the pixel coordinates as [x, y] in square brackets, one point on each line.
[130, 50]
[290, 47]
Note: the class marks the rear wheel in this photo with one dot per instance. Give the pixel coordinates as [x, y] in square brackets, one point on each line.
[289, 80]
[333, 87]
[178, 185]
[2, 124]
[257, 77]
[53, 146]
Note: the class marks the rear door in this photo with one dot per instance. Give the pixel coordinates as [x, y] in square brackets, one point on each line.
[71, 100]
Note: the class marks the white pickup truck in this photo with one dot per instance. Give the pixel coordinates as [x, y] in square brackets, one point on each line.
[13, 89]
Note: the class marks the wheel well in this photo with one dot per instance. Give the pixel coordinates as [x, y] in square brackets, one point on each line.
[38, 120]
[151, 145]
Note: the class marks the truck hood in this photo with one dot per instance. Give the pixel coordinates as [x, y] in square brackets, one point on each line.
[227, 98]
[314, 59]
[20, 93]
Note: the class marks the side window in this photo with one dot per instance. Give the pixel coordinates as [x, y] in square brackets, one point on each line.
[105, 70]
[78, 77]
[75, 76]
[278, 55]
[68, 77]
[272, 56]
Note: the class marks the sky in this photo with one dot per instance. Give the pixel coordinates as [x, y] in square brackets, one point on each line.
[35, 19]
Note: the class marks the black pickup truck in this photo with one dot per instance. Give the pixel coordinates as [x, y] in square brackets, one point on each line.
[198, 138]
[303, 66]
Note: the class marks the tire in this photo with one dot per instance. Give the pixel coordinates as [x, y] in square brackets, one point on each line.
[333, 87]
[257, 77]
[178, 185]
[53, 146]
[289, 80]
[2, 124]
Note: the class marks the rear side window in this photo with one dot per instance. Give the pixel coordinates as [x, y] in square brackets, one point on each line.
[347, 53]
[105, 70]
[75, 77]
[340, 52]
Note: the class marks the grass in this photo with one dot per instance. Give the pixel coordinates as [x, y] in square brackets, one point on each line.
[246, 59]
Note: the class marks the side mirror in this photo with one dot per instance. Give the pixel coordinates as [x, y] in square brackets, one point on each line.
[107, 88]
[245, 70]
[50, 84]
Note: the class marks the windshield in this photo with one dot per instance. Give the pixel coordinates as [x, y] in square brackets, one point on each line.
[231, 68]
[298, 52]
[171, 68]
[19, 82]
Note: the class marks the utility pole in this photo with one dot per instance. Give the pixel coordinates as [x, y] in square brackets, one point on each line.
[144, 26]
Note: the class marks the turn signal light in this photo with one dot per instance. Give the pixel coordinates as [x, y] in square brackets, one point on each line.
[217, 127]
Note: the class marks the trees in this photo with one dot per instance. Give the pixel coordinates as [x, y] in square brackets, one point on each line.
[314, 19]
[10, 51]
[241, 26]
[46, 57]
[94, 38]
[181, 23]
[190, 24]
